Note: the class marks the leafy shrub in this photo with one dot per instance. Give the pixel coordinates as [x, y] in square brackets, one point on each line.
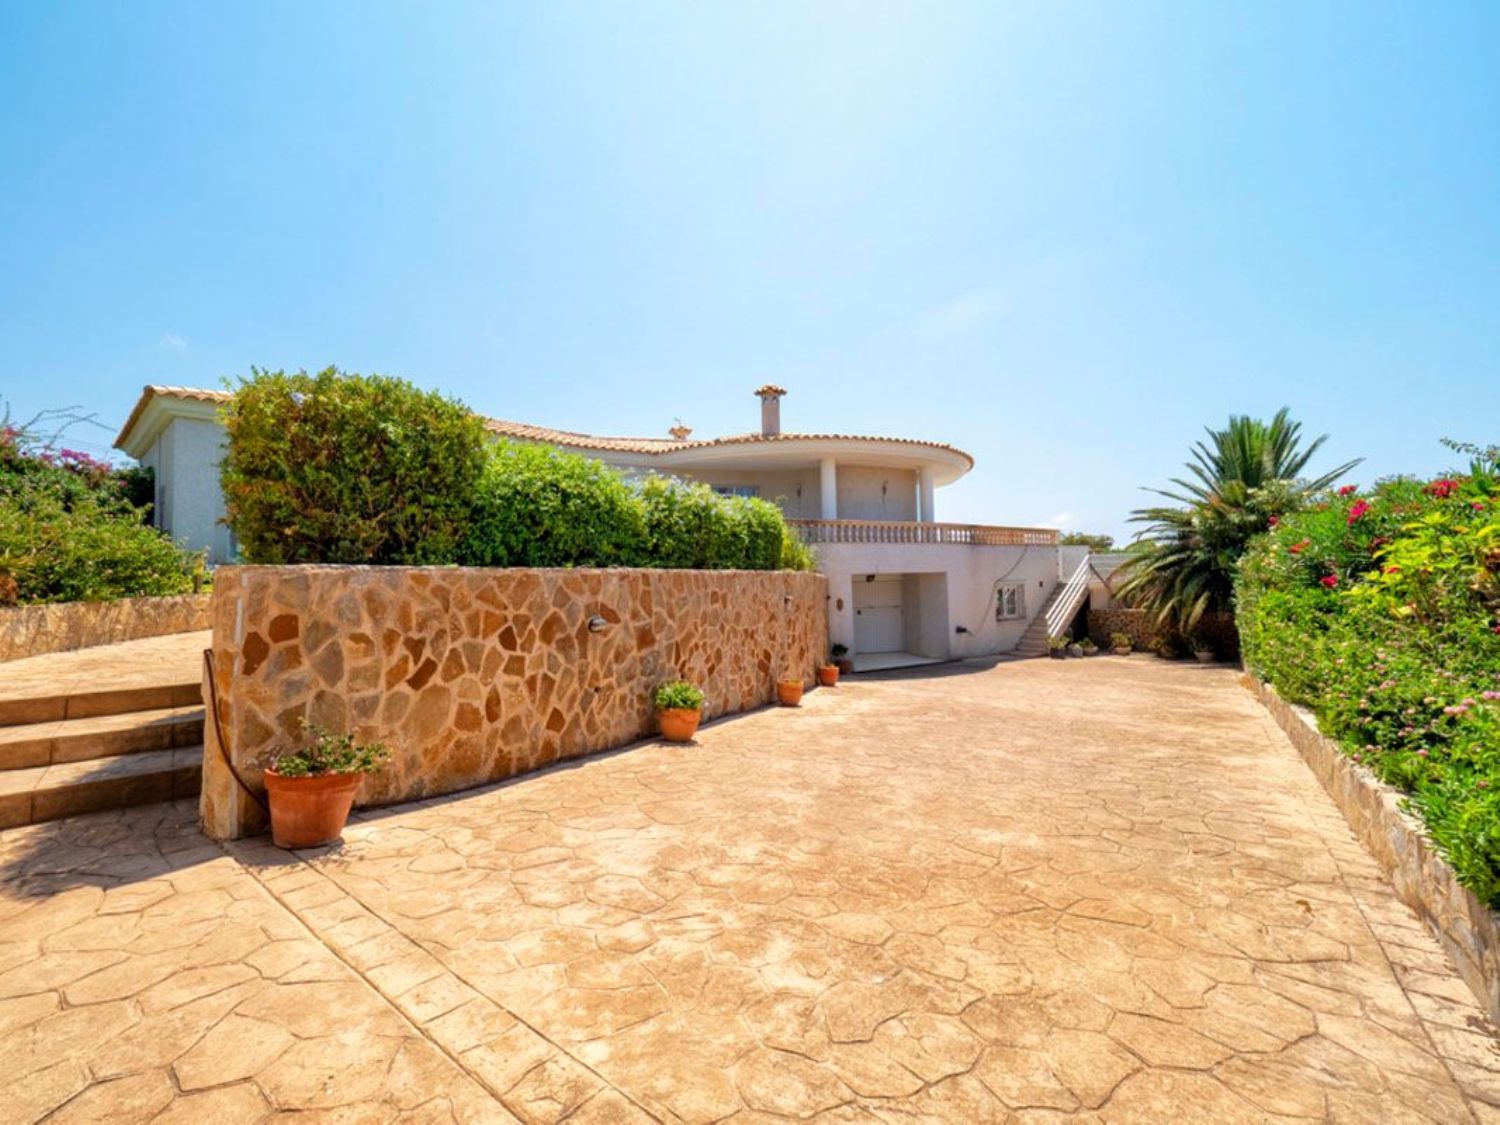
[1381, 611]
[691, 526]
[70, 531]
[539, 506]
[335, 468]
[678, 694]
[330, 753]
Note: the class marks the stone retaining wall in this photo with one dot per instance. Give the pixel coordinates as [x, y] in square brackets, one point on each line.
[1219, 628]
[473, 675]
[34, 630]
[1465, 928]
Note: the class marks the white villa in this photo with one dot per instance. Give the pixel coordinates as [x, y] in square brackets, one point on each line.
[903, 587]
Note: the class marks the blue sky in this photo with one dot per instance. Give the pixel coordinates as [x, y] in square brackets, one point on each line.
[1063, 237]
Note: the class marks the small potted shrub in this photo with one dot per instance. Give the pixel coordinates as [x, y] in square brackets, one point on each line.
[1074, 648]
[1203, 652]
[1057, 648]
[1120, 644]
[788, 692]
[840, 656]
[679, 707]
[1088, 646]
[311, 789]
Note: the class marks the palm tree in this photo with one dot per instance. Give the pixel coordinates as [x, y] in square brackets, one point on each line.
[1183, 561]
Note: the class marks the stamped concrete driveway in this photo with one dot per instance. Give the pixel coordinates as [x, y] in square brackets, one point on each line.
[1105, 890]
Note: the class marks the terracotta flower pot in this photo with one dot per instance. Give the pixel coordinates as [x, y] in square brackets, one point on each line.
[828, 675]
[789, 692]
[308, 811]
[679, 724]
[844, 665]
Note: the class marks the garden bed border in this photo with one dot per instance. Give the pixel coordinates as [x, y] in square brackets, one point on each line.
[35, 630]
[1468, 931]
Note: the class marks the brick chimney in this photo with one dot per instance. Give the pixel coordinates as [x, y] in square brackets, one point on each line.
[770, 409]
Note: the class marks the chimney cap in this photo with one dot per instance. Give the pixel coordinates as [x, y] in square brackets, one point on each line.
[771, 390]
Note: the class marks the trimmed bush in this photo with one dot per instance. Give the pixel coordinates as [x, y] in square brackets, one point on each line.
[1381, 612]
[69, 530]
[336, 468]
[538, 506]
[691, 526]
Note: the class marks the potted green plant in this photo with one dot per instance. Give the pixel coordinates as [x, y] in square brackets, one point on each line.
[1074, 648]
[1120, 643]
[679, 708]
[1203, 652]
[1088, 646]
[1057, 648]
[840, 657]
[311, 789]
[789, 691]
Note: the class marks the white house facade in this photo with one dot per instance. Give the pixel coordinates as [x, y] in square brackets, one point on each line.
[904, 588]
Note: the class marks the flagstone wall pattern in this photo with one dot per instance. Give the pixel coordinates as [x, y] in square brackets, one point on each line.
[35, 630]
[471, 675]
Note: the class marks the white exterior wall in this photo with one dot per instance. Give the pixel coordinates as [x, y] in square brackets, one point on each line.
[876, 494]
[190, 503]
[794, 492]
[970, 574]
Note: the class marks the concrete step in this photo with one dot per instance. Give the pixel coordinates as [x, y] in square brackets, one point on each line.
[144, 675]
[84, 703]
[38, 793]
[73, 740]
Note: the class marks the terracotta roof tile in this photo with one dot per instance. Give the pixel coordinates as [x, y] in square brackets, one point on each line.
[525, 432]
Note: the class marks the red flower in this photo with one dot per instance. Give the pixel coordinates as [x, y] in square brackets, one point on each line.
[1298, 548]
[1477, 505]
[1329, 581]
[1359, 509]
[1442, 489]
[1349, 490]
[1393, 569]
[1273, 521]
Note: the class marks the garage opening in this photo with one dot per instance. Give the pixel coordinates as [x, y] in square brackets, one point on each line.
[900, 620]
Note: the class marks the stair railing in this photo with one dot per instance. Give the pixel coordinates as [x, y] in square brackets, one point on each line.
[1067, 603]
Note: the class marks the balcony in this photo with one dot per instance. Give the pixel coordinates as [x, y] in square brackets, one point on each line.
[898, 531]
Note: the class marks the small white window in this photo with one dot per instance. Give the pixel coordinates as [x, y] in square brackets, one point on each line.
[737, 489]
[1010, 601]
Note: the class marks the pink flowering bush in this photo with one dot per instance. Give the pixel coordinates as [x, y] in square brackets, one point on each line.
[1380, 610]
[74, 528]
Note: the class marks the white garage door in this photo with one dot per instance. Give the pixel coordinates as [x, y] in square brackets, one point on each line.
[877, 614]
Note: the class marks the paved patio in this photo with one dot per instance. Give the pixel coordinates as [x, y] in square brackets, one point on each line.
[1105, 890]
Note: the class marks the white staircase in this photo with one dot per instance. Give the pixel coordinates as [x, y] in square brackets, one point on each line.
[1056, 612]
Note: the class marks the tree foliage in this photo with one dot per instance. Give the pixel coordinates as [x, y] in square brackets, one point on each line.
[1240, 481]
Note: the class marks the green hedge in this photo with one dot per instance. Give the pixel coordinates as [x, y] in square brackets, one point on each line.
[1381, 612]
[540, 506]
[335, 468]
[70, 530]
